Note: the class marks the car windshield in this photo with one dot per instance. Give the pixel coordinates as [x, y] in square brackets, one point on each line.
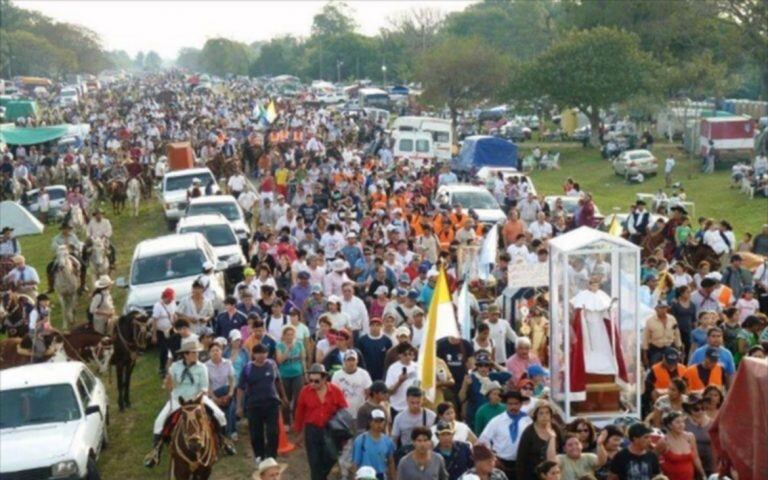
[183, 182]
[36, 405]
[229, 210]
[217, 235]
[168, 266]
[406, 145]
[475, 200]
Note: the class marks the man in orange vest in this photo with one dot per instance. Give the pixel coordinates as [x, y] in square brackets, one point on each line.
[708, 372]
[661, 373]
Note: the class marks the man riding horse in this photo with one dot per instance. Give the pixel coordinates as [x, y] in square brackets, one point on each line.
[68, 239]
[100, 228]
[186, 379]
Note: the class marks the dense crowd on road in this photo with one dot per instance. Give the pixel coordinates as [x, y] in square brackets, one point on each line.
[329, 315]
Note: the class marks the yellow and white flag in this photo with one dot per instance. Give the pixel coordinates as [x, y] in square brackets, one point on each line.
[271, 112]
[441, 323]
[615, 228]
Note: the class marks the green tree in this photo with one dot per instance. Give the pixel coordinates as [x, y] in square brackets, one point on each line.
[138, 62]
[153, 62]
[750, 18]
[334, 19]
[590, 69]
[120, 59]
[459, 73]
[281, 55]
[189, 58]
[31, 55]
[519, 29]
[221, 56]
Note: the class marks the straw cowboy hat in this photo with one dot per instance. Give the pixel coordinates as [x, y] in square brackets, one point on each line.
[190, 346]
[103, 282]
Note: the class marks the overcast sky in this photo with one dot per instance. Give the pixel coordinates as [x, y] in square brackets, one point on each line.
[166, 26]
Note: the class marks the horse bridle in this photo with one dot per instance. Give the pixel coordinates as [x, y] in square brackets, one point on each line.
[204, 434]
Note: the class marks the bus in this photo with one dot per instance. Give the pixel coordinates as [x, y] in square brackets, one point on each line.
[373, 97]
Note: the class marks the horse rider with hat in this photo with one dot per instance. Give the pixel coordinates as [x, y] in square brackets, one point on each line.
[187, 378]
[100, 227]
[68, 238]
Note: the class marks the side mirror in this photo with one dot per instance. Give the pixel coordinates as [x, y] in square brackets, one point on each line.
[90, 409]
[121, 282]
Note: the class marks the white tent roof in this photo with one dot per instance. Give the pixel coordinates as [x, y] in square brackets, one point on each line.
[19, 219]
[585, 236]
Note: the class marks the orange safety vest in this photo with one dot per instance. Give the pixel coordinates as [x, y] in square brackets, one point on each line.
[696, 385]
[662, 376]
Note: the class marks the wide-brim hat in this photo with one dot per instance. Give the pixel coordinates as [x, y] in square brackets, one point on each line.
[190, 346]
[6, 229]
[102, 282]
[318, 369]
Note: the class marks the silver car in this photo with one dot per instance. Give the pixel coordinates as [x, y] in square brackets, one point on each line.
[632, 162]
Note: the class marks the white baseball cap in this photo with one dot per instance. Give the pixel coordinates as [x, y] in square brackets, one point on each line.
[365, 473]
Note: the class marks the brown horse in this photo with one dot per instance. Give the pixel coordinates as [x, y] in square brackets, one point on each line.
[117, 195]
[15, 352]
[692, 255]
[84, 344]
[129, 338]
[193, 448]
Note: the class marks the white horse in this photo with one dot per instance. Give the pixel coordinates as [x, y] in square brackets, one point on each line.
[66, 280]
[76, 219]
[99, 257]
[134, 195]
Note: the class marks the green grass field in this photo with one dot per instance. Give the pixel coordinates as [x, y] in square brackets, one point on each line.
[130, 432]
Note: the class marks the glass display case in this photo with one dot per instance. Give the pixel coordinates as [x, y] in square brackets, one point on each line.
[594, 281]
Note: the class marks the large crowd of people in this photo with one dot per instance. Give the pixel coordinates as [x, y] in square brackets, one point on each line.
[322, 334]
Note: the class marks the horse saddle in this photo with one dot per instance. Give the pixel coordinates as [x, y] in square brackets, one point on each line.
[173, 419]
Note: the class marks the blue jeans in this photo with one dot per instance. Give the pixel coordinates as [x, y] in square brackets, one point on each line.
[229, 410]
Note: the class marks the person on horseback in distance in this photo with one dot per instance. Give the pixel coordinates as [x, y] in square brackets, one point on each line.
[186, 379]
[67, 237]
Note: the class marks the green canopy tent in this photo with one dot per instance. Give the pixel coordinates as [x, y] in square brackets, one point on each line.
[13, 135]
[20, 108]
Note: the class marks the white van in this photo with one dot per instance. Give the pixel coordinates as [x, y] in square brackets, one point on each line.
[439, 128]
[416, 147]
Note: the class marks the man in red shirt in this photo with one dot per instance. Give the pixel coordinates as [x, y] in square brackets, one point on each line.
[318, 402]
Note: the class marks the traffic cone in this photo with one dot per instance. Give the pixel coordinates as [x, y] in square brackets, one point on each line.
[283, 444]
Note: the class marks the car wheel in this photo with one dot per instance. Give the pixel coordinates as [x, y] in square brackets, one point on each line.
[93, 470]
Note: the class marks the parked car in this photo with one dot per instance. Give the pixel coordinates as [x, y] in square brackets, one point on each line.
[225, 205]
[174, 191]
[53, 421]
[632, 162]
[173, 261]
[487, 173]
[222, 237]
[471, 197]
[56, 193]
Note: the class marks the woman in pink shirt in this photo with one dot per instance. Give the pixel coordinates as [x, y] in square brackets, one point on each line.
[518, 363]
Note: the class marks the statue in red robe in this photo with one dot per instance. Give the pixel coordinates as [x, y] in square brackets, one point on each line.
[595, 340]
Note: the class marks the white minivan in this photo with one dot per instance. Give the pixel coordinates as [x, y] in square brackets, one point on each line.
[416, 147]
[170, 261]
[439, 128]
[174, 191]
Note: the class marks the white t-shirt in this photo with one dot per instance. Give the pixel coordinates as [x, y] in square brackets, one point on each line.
[354, 386]
[461, 432]
[418, 335]
[247, 200]
[163, 315]
[669, 164]
[397, 400]
[237, 183]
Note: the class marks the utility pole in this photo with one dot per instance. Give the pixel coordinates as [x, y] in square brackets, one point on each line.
[339, 63]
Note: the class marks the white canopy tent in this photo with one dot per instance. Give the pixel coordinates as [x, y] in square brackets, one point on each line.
[19, 219]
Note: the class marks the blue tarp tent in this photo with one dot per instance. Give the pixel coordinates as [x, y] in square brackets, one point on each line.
[484, 150]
